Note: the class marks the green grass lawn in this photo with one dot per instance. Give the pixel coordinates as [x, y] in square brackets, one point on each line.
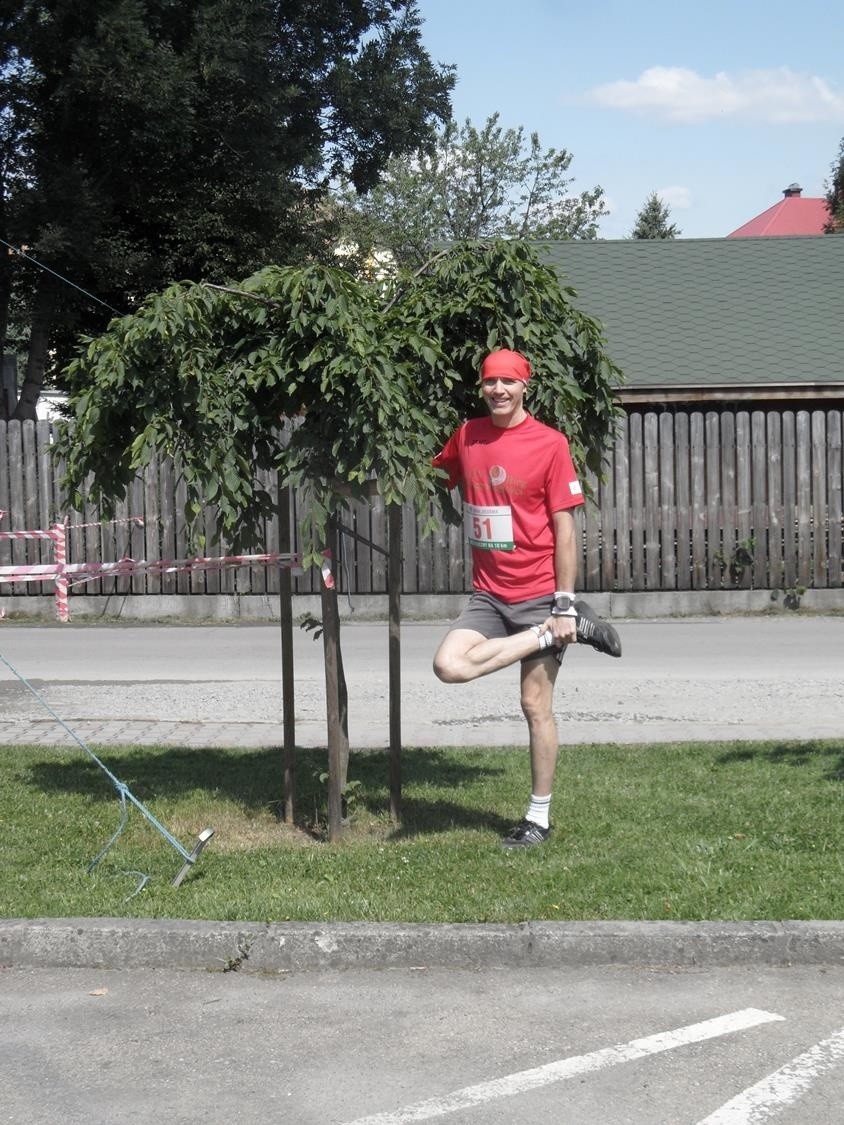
[682, 831]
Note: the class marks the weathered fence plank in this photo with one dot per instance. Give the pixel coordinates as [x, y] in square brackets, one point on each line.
[667, 503]
[819, 500]
[773, 442]
[789, 498]
[591, 538]
[651, 466]
[621, 466]
[22, 551]
[729, 492]
[804, 498]
[759, 497]
[834, 496]
[744, 512]
[683, 519]
[714, 498]
[697, 502]
[637, 501]
[608, 547]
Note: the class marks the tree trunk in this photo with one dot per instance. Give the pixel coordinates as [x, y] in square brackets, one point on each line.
[336, 721]
[6, 407]
[39, 340]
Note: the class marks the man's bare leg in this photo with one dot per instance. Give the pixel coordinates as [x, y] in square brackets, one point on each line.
[466, 655]
[538, 678]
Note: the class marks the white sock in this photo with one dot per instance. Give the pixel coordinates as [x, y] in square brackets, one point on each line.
[538, 810]
[546, 639]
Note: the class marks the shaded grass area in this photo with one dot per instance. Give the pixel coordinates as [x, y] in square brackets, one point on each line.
[728, 831]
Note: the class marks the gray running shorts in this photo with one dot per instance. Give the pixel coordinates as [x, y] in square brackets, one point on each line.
[493, 618]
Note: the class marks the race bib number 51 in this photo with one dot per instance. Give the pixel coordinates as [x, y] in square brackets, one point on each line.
[489, 528]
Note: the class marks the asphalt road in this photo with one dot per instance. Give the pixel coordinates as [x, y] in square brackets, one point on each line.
[679, 679]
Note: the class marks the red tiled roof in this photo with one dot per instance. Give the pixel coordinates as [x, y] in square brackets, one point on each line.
[792, 215]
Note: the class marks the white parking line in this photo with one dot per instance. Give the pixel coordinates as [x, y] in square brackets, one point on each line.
[567, 1068]
[758, 1103]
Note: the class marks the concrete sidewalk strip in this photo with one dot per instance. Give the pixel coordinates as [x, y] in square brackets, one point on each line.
[115, 943]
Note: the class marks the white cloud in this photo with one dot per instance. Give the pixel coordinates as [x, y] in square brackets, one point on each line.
[680, 95]
[677, 197]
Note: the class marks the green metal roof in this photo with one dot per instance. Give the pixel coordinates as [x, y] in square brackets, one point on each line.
[709, 312]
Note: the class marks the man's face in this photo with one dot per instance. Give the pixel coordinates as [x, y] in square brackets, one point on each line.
[504, 399]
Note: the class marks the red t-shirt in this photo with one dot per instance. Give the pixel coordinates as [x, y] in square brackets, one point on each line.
[512, 481]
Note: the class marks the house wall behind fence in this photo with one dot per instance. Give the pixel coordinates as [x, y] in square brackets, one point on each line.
[691, 500]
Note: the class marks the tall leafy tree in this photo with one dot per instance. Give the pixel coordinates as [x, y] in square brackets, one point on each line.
[835, 193]
[197, 139]
[652, 220]
[471, 183]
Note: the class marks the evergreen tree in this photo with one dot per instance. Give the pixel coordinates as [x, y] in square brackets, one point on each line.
[835, 193]
[652, 220]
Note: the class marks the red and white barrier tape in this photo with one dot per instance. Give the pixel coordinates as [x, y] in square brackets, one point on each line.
[139, 520]
[66, 574]
[50, 533]
[90, 572]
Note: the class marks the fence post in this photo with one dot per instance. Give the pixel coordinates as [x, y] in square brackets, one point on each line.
[59, 537]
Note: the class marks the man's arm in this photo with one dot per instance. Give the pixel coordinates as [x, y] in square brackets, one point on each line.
[565, 568]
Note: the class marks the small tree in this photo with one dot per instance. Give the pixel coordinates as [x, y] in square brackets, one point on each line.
[470, 184]
[652, 220]
[835, 193]
[375, 382]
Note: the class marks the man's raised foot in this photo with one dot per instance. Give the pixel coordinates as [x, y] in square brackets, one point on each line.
[592, 630]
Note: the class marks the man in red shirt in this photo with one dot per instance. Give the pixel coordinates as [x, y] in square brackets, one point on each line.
[519, 490]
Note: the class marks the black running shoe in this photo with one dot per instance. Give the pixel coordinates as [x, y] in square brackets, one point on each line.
[524, 835]
[591, 630]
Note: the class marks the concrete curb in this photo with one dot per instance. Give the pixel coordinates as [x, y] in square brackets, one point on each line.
[115, 943]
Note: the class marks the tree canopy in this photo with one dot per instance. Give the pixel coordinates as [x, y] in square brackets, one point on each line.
[652, 220]
[469, 184]
[163, 141]
[375, 380]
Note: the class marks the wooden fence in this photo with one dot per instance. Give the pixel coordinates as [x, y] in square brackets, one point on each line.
[690, 500]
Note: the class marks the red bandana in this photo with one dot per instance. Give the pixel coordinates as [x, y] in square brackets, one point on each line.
[505, 364]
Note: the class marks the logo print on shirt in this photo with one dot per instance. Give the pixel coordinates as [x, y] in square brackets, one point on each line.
[497, 475]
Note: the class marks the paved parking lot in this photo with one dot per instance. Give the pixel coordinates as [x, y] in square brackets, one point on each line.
[593, 1047]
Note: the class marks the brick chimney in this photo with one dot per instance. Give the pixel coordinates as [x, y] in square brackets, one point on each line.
[792, 191]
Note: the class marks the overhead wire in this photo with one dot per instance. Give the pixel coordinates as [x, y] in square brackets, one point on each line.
[19, 250]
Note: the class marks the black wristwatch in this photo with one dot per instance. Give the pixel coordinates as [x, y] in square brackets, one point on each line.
[563, 606]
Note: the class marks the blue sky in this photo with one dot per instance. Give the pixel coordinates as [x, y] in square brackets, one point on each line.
[717, 106]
